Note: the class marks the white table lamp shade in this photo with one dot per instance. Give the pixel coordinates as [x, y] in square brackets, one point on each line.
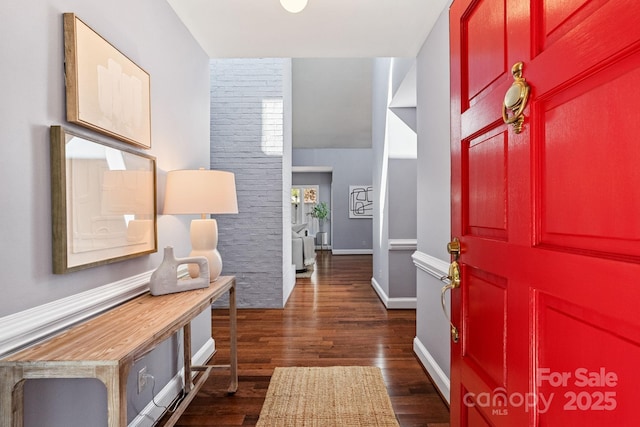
[202, 192]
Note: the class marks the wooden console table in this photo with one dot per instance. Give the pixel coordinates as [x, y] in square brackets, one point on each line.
[105, 347]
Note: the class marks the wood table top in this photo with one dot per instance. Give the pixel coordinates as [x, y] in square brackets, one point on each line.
[124, 332]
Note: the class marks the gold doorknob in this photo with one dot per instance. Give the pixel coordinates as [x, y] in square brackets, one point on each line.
[453, 247]
[454, 282]
[515, 100]
[454, 274]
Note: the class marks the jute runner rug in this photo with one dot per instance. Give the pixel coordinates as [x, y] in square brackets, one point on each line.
[344, 396]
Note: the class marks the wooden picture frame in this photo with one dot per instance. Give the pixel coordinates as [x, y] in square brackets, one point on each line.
[103, 202]
[106, 91]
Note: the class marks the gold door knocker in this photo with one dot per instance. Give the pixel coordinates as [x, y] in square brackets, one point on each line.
[515, 100]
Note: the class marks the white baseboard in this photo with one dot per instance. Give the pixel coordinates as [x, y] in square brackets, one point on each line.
[393, 303]
[152, 412]
[442, 382]
[352, 251]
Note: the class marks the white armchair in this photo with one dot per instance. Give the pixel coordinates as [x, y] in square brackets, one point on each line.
[303, 248]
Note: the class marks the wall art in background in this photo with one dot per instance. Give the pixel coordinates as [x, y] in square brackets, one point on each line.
[360, 201]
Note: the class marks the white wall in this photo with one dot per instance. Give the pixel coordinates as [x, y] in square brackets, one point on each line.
[288, 268]
[432, 340]
[381, 76]
[33, 98]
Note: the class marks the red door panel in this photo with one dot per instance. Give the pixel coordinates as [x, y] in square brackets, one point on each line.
[548, 219]
[485, 28]
[485, 326]
[486, 170]
[584, 372]
[558, 17]
[602, 172]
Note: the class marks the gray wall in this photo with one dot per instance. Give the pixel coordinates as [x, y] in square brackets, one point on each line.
[402, 225]
[247, 138]
[350, 166]
[332, 102]
[402, 276]
[433, 186]
[403, 198]
[33, 98]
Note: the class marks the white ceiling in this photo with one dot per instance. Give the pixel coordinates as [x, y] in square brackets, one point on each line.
[325, 29]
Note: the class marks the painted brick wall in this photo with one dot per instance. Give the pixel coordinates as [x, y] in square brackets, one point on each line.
[247, 139]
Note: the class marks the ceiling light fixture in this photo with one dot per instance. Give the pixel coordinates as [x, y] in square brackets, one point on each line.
[294, 6]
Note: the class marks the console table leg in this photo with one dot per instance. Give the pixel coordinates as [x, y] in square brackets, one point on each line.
[233, 337]
[11, 398]
[18, 404]
[115, 380]
[186, 334]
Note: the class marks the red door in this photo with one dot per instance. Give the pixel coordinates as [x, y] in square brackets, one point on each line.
[548, 309]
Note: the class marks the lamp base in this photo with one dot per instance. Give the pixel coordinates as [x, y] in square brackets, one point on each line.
[214, 260]
[204, 240]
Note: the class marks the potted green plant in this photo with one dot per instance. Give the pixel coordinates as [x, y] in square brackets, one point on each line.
[321, 212]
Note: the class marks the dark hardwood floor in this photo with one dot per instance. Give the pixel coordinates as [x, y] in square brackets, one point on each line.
[333, 318]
